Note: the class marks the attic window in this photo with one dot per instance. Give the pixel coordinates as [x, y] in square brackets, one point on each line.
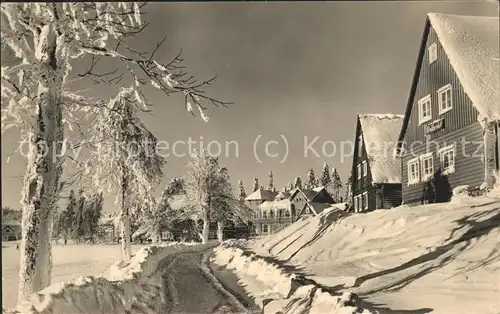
[359, 171]
[432, 51]
[365, 168]
[424, 109]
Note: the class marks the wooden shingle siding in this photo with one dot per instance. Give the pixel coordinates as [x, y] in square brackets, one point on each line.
[392, 195]
[432, 77]
[469, 166]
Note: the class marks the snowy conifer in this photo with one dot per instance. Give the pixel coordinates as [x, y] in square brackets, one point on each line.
[45, 40]
[311, 180]
[256, 185]
[325, 179]
[297, 183]
[270, 186]
[241, 193]
[337, 184]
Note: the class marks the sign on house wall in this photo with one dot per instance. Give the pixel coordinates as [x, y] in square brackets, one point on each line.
[434, 127]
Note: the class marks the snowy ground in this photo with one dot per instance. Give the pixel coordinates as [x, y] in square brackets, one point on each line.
[70, 261]
[440, 258]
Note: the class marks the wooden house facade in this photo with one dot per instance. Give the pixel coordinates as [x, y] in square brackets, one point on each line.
[376, 170]
[451, 126]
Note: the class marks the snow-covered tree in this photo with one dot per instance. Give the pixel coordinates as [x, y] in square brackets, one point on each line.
[224, 206]
[126, 158]
[270, 186]
[297, 184]
[325, 179]
[41, 42]
[160, 216]
[311, 180]
[241, 193]
[202, 180]
[79, 231]
[337, 184]
[256, 185]
[348, 193]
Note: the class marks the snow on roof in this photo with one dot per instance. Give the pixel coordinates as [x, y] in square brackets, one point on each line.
[282, 195]
[281, 204]
[318, 189]
[261, 194]
[472, 46]
[318, 207]
[380, 133]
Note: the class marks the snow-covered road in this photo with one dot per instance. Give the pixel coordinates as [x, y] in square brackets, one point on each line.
[190, 288]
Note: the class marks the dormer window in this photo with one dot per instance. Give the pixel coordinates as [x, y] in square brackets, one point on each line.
[424, 109]
[432, 51]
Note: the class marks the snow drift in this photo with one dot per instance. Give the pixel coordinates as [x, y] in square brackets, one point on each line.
[135, 286]
[446, 254]
[278, 292]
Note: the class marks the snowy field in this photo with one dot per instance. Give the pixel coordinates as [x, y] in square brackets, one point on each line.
[439, 258]
[69, 261]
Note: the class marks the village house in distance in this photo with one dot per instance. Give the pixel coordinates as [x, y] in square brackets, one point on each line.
[376, 172]
[275, 210]
[451, 125]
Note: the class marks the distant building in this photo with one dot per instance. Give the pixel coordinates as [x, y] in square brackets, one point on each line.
[272, 215]
[310, 202]
[253, 201]
[11, 231]
[376, 170]
[451, 128]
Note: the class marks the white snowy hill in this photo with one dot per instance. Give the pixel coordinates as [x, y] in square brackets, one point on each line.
[439, 258]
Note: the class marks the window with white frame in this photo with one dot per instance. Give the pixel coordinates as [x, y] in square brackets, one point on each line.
[427, 163]
[365, 200]
[265, 228]
[447, 159]
[307, 210]
[424, 109]
[264, 214]
[287, 213]
[413, 171]
[356, 208]
[358, 169]
[445, 100]
[365, 168]
[432, 51]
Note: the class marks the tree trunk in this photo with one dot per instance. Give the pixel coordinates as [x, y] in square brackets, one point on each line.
[126, 246]
[41, 185]
[220, 231]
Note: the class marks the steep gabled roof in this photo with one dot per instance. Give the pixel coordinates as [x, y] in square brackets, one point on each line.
[380, 135]
[309, 194]
[261, 194]
[472, 46]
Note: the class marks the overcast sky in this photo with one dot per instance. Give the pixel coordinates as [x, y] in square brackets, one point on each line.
[295, 70]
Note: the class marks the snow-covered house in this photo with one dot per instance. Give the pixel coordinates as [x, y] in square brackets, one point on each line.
[376, 171]
[310, 202]
[254, 201]
[451, 125]
[11, 231]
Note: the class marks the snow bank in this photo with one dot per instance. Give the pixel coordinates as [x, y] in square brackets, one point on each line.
[136, 286]
[278, 292]
[446, 254]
